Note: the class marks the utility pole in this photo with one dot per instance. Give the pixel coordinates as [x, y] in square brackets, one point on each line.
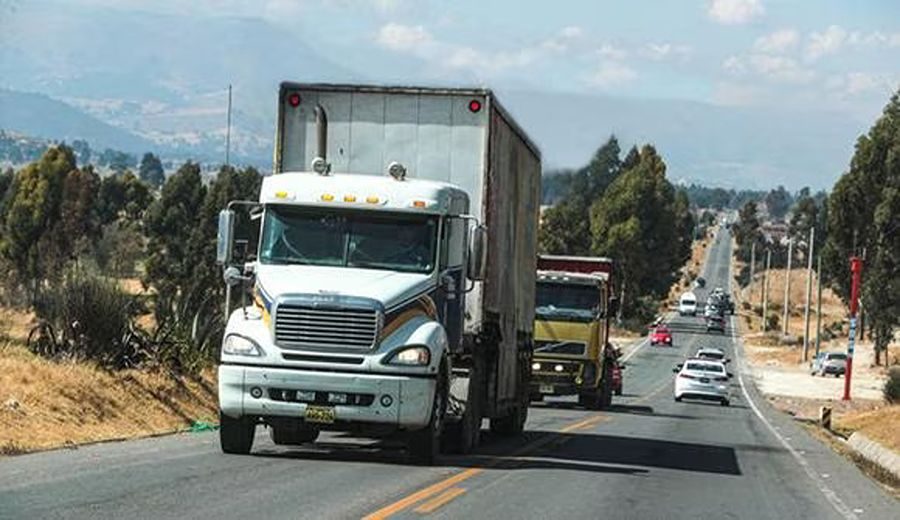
[787, 290]
[765, 289]
[809, 254]
[752, 266]
[818, 303]
[228, 132]
[856, 276]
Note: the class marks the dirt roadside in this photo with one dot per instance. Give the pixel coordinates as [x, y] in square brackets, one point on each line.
[45, 404]
[777, 368]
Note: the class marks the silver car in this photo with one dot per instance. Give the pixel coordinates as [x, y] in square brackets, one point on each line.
[829, 363]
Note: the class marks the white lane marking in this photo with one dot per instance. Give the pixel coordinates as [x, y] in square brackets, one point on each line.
[829, 493]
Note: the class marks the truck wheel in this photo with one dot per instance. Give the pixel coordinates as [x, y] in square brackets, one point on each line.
[424, 445]
[591, 401]
[293, 434]
[236, 435]
[464, 436]
[510, 424]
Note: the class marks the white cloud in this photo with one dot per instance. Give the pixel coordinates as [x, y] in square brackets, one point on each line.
[735, 94]
[858, 83]
[563, 40]
[734, 65]
[780, 69]
[777, 42]
[734, 12]
[403, 38]
[612, 52]
[827, 42]
[661, 51]
[610, 74]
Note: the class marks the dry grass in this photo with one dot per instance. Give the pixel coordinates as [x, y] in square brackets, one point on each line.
[45, 404]
[880, 424]
[833, 310]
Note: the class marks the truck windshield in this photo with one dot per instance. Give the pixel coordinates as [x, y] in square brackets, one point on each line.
[343, 239]
[557, 301]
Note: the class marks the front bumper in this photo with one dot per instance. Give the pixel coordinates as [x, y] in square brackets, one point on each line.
[703, 390]
[410, 398]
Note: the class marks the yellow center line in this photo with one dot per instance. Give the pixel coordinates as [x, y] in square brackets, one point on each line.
[418, 496]
[438, 501]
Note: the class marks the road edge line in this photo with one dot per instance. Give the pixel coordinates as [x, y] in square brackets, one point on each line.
[829, 493]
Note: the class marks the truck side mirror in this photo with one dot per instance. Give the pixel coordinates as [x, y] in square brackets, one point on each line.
[477, 264]
[225, 237]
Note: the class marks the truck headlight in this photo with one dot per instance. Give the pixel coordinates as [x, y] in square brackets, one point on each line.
[240, 346]
[417, 355]
[535, 367]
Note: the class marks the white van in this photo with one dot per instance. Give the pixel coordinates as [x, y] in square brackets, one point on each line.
[687, 304]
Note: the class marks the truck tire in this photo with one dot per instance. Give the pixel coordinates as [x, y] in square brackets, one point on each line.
[606, 389]
[464, 436]
[424, 445]
[236, 435]
[511, 424]
[293, 434]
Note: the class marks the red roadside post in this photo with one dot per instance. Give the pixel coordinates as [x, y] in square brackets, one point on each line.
[856, 276]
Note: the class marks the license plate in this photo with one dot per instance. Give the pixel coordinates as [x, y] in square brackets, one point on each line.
[319, 414]
[546, 389]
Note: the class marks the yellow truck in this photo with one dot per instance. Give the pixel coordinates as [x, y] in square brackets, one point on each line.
[571, 330]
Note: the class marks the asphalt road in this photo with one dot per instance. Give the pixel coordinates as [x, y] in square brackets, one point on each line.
[648, 457]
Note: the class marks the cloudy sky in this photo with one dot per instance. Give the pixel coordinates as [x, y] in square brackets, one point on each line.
[817, 54]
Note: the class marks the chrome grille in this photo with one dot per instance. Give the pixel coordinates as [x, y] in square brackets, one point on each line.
[303, 326]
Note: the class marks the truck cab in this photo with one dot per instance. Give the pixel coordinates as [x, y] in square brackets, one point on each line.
[571, 330]
[385, 297]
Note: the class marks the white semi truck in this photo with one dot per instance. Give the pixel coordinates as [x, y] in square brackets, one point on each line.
[392, 290]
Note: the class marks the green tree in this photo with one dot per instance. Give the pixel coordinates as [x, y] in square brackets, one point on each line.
[34, 208]
[123, 196]
[151, 171]
[778, 202]
[637, 222]
[565, 227]
[864, 219]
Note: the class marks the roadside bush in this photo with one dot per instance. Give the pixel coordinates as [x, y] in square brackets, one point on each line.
[892, 386]
[746, 305]
[85, 317]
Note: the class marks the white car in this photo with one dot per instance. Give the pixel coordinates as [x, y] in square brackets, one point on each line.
[711, 354]
[687, 304]
[703, 379]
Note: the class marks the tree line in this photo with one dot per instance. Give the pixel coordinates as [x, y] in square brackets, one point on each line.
[860, 217]
[68, 235]
[626, 209]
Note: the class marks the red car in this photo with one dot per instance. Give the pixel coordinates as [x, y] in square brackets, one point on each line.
[661, 335]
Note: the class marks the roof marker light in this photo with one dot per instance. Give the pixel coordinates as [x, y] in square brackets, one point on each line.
[418, 204]
[327, 197]
[372, 200]
[474, 106]
[349, 198]
[294, 100]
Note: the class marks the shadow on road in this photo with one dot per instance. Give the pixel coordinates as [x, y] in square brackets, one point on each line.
[569, 451]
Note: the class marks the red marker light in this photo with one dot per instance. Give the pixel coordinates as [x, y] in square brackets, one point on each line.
[474, 106]
[294, 100]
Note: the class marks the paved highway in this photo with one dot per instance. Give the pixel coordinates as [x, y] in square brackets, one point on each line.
[648, 457]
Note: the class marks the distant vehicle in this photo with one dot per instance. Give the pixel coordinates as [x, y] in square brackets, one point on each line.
[702, 379]
[712, 309]
[715, 323]
[687, 304]
[661, 335]
[712, 354]
[829, 363]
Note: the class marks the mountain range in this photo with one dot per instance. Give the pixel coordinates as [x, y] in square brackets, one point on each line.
[153, 82]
